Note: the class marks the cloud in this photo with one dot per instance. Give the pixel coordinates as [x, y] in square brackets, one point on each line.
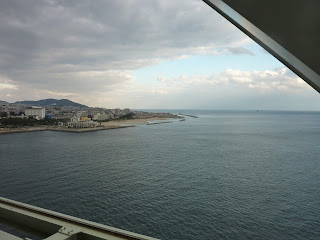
[239, 51]
[65, 46]
[7, 84]
[281, 79]
[88, 51]
[231, 89]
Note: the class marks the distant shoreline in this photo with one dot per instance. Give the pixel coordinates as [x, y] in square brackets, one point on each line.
[104, 126]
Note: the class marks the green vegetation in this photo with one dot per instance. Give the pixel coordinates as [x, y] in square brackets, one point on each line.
[48, 102]
[30, 122]
[126, 117]
[100, 121]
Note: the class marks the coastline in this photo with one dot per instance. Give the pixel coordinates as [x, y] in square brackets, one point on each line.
[137, 121]
[103, 126]
[22, 130]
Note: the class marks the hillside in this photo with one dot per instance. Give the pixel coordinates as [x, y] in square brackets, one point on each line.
[46, 102]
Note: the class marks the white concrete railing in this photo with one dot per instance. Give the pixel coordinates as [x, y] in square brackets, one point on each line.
[51, 225]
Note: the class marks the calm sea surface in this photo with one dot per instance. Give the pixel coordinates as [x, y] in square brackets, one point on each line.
[224, 175]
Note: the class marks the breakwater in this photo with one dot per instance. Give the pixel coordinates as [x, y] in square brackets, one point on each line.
[188, 115]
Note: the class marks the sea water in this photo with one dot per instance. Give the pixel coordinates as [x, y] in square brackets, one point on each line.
[223, 175]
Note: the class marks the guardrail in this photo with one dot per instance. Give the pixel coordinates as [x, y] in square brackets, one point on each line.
[50, 225]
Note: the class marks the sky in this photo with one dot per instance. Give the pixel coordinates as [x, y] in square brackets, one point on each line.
[141, 54]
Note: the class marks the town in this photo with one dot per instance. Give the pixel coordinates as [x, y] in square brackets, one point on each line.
[70, 115]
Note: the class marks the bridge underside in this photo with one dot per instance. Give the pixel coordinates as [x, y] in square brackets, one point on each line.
[288, 29]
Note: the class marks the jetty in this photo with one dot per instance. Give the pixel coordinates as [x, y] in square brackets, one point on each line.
[188, 115]
[158, 122]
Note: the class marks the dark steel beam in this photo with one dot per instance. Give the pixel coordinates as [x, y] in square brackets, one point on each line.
[302, 69]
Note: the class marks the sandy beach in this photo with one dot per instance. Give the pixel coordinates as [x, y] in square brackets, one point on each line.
[104, 126]
[21, 130]
[131, 121]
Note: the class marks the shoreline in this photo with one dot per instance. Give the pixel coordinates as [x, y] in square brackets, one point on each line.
[58, 129]
[103, 126]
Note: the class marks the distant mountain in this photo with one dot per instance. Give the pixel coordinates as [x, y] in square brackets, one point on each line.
[3, 101]
[47, 102]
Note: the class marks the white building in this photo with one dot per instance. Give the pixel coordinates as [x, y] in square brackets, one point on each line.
[75, 123]
[36, 112]
[101, 117]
